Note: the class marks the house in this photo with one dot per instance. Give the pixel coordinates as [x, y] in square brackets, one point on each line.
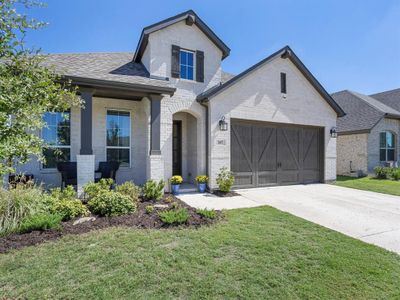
[368, 133]
[168, 108]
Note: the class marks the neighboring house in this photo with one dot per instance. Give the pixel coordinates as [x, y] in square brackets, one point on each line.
[368, 135]
[170, 109]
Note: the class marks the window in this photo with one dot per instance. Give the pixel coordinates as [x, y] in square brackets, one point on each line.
[118, 136]
[386, 146]
[57, 136]
[283, 83]
[186, 64]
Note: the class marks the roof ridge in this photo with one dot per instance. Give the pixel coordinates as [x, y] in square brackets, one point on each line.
[388, 108]
[83, 53]
[385, 92]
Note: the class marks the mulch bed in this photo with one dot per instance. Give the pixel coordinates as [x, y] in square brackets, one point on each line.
[223, 194]
[139, 219]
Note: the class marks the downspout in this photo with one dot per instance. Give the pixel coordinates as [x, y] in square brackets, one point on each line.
[207, 137]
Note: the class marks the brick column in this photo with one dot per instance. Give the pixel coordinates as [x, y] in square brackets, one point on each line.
[85, 169]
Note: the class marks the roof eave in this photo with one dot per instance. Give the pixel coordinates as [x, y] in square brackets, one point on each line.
[172, 20]
[134, 87]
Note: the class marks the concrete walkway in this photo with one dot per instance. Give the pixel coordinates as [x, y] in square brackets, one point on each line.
[371, 217]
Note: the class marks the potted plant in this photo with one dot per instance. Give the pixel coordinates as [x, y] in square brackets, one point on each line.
[176, 181]
[201, 183]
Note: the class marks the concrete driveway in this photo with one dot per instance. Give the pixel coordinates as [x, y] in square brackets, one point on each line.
[371, 217]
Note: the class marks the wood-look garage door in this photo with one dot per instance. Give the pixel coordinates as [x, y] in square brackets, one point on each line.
[265, 154]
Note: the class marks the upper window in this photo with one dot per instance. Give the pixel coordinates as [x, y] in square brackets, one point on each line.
[118, 136]
[386, 146]
[283, 83]
[57, 136]
[186, 64]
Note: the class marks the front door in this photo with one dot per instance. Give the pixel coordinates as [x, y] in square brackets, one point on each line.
[177, 148]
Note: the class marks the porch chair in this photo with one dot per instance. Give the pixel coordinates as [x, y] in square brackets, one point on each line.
[68, 172]
[108, 169]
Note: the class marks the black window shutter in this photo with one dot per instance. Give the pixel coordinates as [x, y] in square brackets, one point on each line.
[175, 61]
[283, 83]
[199, 66]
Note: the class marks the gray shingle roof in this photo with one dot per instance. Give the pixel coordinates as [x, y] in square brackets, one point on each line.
[115, 67]
[362, 111]
[390, 98]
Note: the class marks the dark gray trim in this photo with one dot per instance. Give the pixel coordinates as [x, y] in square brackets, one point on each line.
[131, 87]
[155, 129]
[86, 121]
[190, 17]
[175, 62]
[285, 52]
[199, 66]
[354, 132]
[207, 136]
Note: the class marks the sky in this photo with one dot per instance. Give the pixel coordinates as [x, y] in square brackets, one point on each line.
[353, 44]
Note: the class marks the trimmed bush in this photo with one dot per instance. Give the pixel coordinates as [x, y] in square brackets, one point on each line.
[225, 180]
[396, 174]
[68, 193]
[210, 214]
[109, 203]
[93, 189]
[176, 217]
[128, 188]
[40, 222]
[153, 190]
[20, 203]
[69, 209]
[382, 172]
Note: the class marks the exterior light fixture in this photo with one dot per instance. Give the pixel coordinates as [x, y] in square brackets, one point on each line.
[223, 125]
[333, 132]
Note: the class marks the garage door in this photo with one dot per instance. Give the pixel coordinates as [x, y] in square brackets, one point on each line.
[265, 154]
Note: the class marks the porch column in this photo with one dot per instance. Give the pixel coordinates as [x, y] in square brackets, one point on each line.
[155, 165]
[86, 160]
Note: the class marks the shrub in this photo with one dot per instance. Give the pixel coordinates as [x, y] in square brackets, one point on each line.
[179, 216]
[20, 203]
[69, 208]
[225, 180]
[153, 190]
[396, 174]
[201, 179]
[40, 222]
[382, 172]
[176, 179]
[128, 188]
[68, 193]
[109, 203]
[210, 214]
[149, 209]
[174, 205]
[93, 189]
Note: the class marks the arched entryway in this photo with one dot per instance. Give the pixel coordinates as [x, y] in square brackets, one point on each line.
[184, 146]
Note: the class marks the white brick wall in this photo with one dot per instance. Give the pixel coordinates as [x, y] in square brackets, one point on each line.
[373, 141]
[257, 97]
[85, 171]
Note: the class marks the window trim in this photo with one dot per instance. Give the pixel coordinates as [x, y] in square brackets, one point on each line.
[130, 136]
[194, 64]
[42, 167]
[386, 148]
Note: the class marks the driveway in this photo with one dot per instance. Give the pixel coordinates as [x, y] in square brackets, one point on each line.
[371, 217]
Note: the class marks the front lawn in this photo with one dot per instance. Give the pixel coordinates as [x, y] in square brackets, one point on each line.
[385, 186]
[253, 253]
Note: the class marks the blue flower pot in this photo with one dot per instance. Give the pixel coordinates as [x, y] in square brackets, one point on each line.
[201, 187]
[175, 188]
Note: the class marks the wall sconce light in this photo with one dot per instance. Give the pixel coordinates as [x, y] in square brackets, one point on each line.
[223, 125]
[333, 132]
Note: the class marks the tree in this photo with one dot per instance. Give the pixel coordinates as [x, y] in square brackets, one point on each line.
[27, 88]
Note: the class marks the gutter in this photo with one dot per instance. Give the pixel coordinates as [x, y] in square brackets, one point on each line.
[117, 85]
[207, 134]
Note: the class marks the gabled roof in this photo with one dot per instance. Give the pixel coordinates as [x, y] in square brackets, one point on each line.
[362, 112]
[390, 98]
[191, 18]
[285, 52]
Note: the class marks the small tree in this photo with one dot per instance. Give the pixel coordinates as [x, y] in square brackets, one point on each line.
[27, 88]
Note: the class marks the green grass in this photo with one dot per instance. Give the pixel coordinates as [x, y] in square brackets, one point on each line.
[385, 186]
[255, 253]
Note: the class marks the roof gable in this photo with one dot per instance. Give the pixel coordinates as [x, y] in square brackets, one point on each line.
[191, 18]
[285, 52]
